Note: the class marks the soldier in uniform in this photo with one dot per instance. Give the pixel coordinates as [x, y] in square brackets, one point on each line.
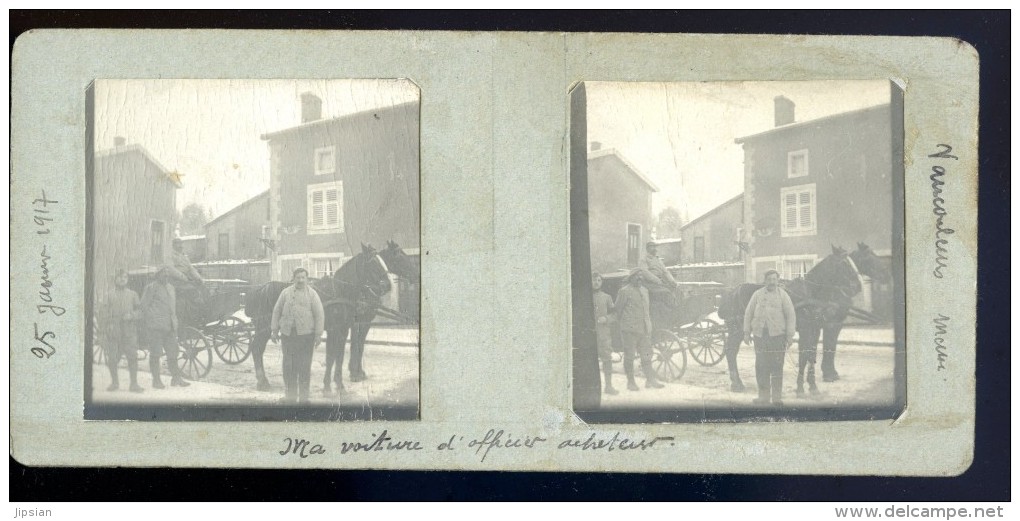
[604, 338]
[159, 311]
[118, 316]
[632, 312]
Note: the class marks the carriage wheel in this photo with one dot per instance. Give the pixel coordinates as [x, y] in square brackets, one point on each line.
[195, 358]
[669, 357]
[232, 340]
[709, 342]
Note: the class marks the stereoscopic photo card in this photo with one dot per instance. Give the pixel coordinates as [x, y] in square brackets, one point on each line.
[494, 251]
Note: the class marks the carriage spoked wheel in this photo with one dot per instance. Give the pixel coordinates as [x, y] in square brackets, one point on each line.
[708, 339]
[232, 340]
[195, 359]
[669, 355]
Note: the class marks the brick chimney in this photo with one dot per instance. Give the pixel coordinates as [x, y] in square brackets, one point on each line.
[311, 107]
[784, 111]
[595, 145]
[119, 141]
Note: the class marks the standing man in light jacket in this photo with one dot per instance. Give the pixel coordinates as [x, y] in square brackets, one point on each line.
[771, 321]
[298, 314]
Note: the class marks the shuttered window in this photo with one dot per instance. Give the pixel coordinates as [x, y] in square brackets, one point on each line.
[325, 207]
[798, 210]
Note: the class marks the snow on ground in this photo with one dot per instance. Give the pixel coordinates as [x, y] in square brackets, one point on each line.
[391, 364]
[866, 379]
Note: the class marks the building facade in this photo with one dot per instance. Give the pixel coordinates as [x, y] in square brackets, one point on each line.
[239, 232]
[133, 212]
[714, 246]
[619, 209]
[811, 185]
[338, 183]
[716, 235]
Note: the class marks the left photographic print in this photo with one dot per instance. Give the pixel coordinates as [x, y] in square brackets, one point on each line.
[253, 250]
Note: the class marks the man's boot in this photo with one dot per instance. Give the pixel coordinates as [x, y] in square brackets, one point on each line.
[651, 380]
[133, 373]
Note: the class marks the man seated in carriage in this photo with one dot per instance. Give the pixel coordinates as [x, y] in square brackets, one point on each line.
[181, 269]
[184, 276]
[653, 265]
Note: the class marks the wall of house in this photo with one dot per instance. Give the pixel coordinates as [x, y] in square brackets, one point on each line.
[850, 165]
[243, 226]
[849, 162]
[129, 191]
[615, 197]
[377, 162]
[718, 230]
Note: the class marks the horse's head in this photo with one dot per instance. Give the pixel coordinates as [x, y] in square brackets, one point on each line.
[837, 270]
[370, 271]
[400, 263]
[870, 264]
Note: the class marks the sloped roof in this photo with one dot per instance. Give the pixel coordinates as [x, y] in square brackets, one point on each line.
[612, 152]
[136, 148]
[254, 199]
[802, 124]
[713, 210]
[351, 116]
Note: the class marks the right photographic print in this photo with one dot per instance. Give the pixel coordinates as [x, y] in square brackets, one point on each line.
[737, 251]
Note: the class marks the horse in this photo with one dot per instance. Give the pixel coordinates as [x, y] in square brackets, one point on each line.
[366, 275]
[822, 298]
[354, 316]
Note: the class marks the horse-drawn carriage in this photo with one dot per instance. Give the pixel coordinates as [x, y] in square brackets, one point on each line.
[207, 322]
[683, 319]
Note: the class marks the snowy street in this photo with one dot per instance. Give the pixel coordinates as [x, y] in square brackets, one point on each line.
[391, 361]
[865, 359]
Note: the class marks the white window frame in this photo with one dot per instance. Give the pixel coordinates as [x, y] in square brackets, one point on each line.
[778, 263]
[314, 261]
[325, 227]
[307, 261]
[789, 163]
[330, 169]
[798, 230]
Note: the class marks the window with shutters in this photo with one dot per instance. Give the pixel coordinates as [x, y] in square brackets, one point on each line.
[325, 208]
[797, 163]
[798, 207]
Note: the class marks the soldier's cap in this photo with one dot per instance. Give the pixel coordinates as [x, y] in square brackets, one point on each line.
[634, 273]
[650, 243]
[177, 239]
